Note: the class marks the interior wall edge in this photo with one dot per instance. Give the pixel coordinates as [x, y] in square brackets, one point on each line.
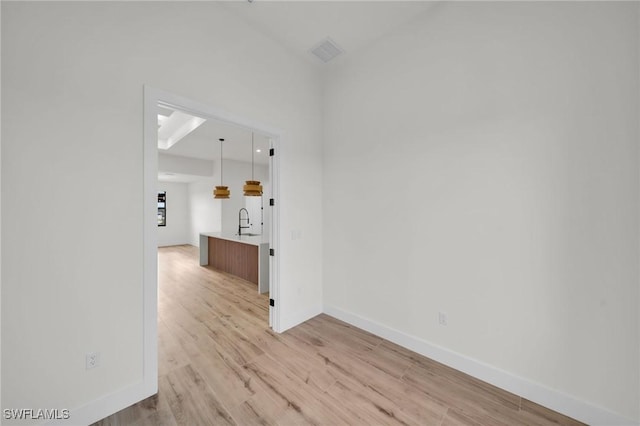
[0, 220]
[638, 178]
[298, 317]
[536, 392]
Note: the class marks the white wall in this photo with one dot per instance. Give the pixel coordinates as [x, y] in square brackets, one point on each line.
[177, 230]
[506, 133]
[184, 165]
[236, 173]
[72, 92]
[210, 215]
[205, 213]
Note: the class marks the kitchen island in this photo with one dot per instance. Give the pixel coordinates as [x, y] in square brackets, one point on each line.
[244, 256]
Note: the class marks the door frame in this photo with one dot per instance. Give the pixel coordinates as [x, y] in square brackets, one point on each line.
[152, 98]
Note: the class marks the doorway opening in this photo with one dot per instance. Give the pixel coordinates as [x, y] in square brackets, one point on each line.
[187, 151]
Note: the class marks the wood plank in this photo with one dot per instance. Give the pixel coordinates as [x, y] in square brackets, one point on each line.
[191, 399]
[258, 410]
[219, 363]
[304, 402]
[536, 414]
[456, 418]
[467, 400]
[171, 354]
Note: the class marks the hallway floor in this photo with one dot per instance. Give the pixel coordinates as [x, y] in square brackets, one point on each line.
[219, 363]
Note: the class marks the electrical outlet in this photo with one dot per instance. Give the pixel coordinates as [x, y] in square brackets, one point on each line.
[92, 360]
[442, 318]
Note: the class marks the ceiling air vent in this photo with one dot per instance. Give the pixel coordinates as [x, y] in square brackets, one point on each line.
[326, 50]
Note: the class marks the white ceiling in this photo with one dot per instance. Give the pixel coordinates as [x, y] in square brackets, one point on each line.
[301, 25]
[204, 143]
[174, 125]
[178, 177]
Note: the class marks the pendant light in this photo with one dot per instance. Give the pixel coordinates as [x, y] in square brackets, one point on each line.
[221, 192]
[252, 187]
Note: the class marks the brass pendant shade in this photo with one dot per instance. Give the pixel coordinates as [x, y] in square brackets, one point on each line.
[252, 188]
[221, 192]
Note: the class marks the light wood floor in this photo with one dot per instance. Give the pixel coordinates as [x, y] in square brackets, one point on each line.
[219, 363]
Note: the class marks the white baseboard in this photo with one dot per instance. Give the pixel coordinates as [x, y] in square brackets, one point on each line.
[540, 394]
[107, 405]
[174, 243]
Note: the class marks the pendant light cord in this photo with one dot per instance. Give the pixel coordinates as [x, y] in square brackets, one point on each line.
[221, 140]
[252, 153]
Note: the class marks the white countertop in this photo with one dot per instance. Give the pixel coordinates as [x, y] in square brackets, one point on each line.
[252, 240]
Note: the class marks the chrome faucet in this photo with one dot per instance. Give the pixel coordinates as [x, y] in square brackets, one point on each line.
[240, 219]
